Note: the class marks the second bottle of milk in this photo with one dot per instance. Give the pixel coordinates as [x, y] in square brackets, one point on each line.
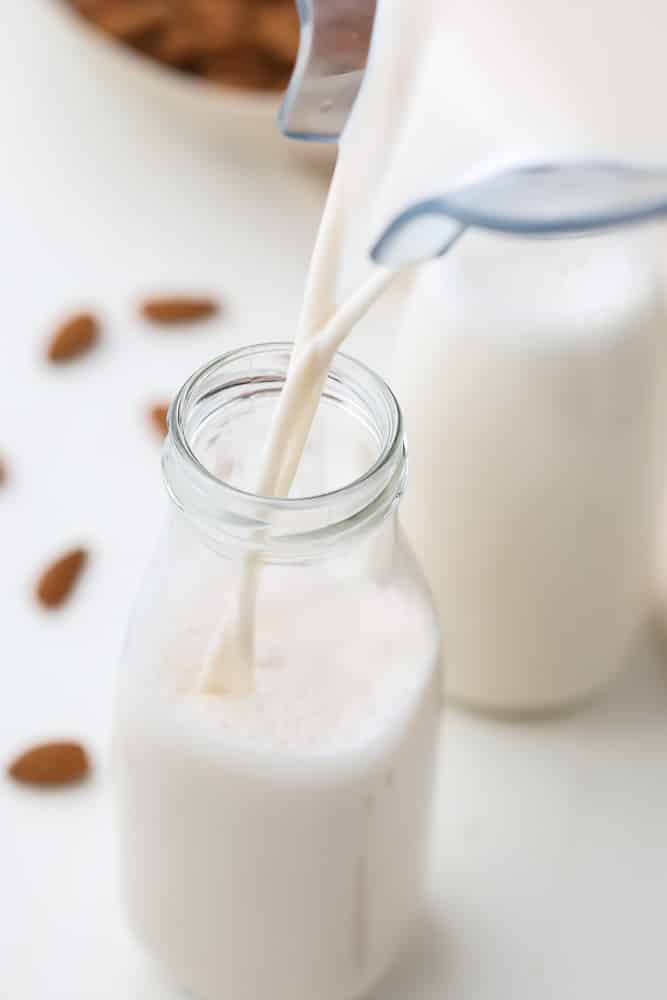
[528, 372]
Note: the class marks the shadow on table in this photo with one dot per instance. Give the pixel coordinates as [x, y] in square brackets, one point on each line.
[424, 970]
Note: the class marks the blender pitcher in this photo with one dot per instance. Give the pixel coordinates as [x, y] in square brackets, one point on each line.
[529, 359]
[530, 369]
[530, 372]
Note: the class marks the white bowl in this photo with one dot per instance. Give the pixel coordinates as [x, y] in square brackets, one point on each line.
[219, 112]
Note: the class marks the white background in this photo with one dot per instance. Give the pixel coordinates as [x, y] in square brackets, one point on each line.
[550, 852]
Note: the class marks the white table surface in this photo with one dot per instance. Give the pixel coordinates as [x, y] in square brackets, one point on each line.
[551, 839]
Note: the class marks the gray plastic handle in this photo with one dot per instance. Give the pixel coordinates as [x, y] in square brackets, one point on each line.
[333, 49]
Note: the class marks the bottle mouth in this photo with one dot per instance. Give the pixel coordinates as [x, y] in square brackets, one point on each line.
[224, 401]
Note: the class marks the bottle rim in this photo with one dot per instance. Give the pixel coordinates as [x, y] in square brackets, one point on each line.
[231, 515]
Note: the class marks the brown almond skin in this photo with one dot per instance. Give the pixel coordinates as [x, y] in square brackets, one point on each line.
[175, 309]
[247, 67]
[57, 763]
[74, 337]
[158, 417]
[277, 30]
[129, 20]
[246, 44]
[57, 581]
[3, 472]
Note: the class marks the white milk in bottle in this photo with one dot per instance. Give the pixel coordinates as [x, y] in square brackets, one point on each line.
[273, 836]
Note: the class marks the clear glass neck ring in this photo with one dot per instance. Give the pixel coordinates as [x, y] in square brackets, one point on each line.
[218, 423]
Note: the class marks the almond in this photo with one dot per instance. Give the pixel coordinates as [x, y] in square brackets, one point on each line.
[202, 27]
[168, 310]
[56, 582]
[73, 337]
[158, 416]
[3, 472]
[194, 36]
[57, 763]
[277, 30]
[247, 67]
[130, 20]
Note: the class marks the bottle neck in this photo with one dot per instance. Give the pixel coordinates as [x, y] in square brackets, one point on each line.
[218, 424]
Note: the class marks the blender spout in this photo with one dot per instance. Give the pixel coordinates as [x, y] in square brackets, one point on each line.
[543, 199]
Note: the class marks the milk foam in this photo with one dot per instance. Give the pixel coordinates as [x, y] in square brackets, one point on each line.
[316, 692]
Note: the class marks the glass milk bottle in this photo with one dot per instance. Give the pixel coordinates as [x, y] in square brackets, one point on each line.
[528, 371]
[274, 844]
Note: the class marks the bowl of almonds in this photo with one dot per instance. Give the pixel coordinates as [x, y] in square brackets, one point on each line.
[228, 61]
